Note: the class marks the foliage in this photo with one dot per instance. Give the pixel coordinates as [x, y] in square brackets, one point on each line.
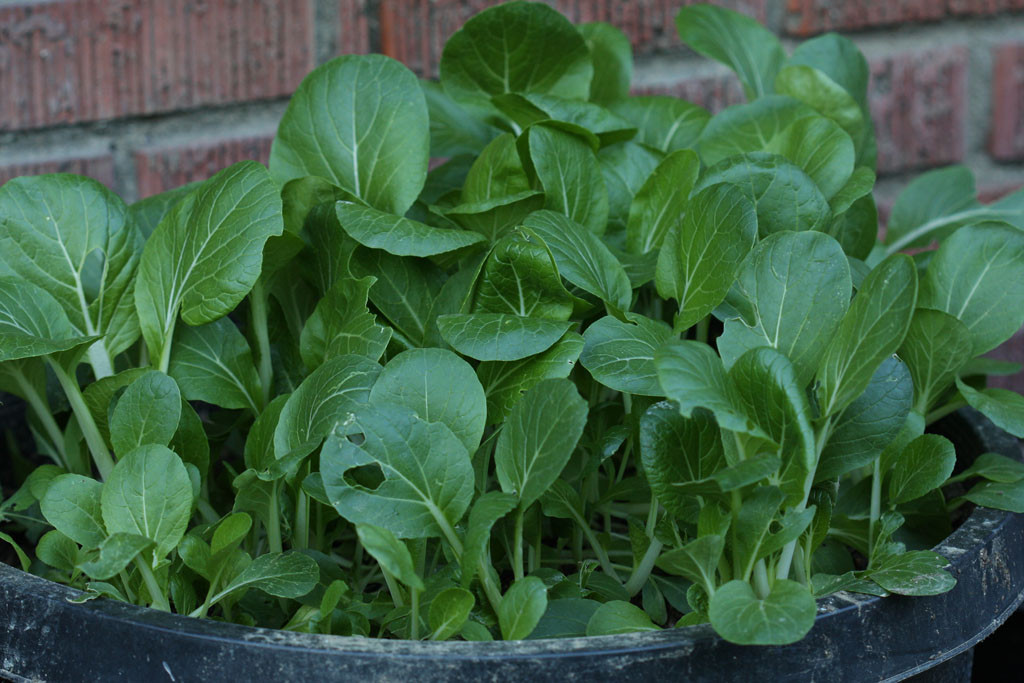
[616, 365]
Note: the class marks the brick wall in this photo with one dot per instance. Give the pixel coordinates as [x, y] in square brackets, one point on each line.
[147, 94]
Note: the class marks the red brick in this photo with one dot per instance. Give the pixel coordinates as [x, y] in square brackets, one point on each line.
[415, 31]
[353, 27]
[807, 17]
[1013, 351]
[714, 93]
[162, 168]
[990, 194]
[1007, 140]
[917, 102]
[100, 167]
[982, 7]
[65, 61]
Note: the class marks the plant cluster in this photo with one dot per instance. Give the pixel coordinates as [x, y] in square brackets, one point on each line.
[617, 364]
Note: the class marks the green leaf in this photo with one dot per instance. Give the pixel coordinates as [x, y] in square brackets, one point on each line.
[696, 561]
[612, 56]
[582, 258]
[784, 196]
[516, 47]
[148, 412]
[522, 607]
[505, 382]
[572, 180]
[496, 173]
[449, 610]
[813, 87]
[751, 524]
[453, 130]
[520, 277]
[488, 509]
[925, 463]
[230, 532]
[620, 354]
[624, 167]
[147, 213]
[493, 218]
[114, 554]
[427, 475]
[870, 423]
[400, 236]
[967, 278]
[592, 122]
[72, 505]
[1004, 407]
[676, 449]
[662, 200]
[820, 148]
[341, 325]
[692, 375]
[361, 122]
[994, 467]
[439, 387]
[391, 553]
[283, 575]
[749, 127]
[69, 235]
[665, 123]
[914, 573]
[791, 292]
[213, 363]
[839, 58]
[565, 618]
[538, 438]
[782, 617]
[618, 616]
[58, 551]
[998, 495]
[404, 291]
[32, 323]
[922, 210]
[703, 252]
[206, 254]
[149, 493]
[738, 41]
[937, 345]
[326, 397]
[771, 395]
[498, 336]
[872, 329]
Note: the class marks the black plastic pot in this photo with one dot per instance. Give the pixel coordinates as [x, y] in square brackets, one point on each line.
[856, 637]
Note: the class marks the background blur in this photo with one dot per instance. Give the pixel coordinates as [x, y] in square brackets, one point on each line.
[145, 95]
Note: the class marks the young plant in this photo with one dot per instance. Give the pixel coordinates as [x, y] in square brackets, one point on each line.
[615, 365]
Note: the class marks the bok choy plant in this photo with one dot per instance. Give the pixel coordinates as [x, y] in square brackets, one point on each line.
[615, 365]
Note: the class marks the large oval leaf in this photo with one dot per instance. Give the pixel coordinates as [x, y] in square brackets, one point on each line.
[784, 616]
[791, 292]
[424, 474]
[361, 122]
[620, 355]
[206, 254]
[976, 276]
[149, 493]
[516, 47]
[440, 387]
[698, 263]
[70, 236]
[538, 438]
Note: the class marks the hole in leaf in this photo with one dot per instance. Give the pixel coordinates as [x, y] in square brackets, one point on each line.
[365, 476]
